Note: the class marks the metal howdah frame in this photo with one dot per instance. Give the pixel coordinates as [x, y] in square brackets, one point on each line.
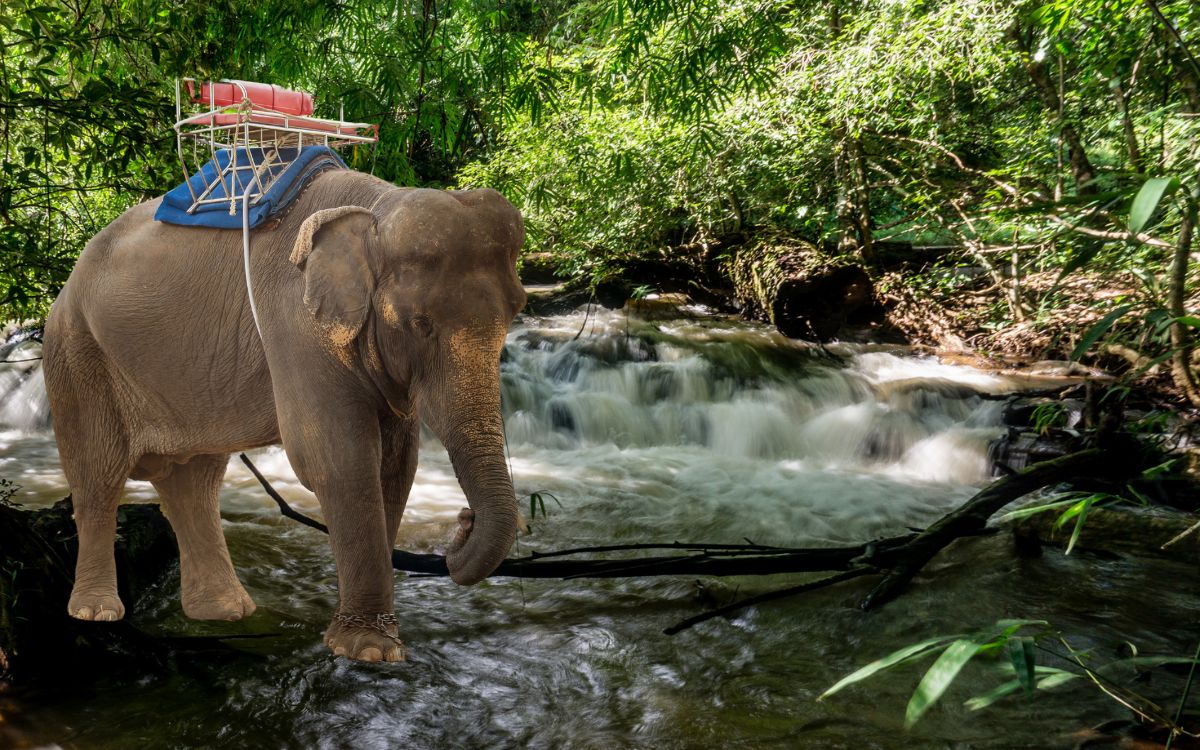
[249, 125]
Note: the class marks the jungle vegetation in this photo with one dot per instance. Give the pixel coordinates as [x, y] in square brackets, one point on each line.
[1026, 146]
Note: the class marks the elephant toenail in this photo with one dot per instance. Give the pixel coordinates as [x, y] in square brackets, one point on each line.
[370, 654]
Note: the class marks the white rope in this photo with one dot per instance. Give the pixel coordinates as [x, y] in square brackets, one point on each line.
[246, 254]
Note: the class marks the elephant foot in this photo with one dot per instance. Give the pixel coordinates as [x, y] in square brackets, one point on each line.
[232, 604]
[466, 522]
[365, 637]
[97, 605]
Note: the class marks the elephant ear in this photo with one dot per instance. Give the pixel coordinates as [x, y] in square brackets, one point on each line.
[331, 249]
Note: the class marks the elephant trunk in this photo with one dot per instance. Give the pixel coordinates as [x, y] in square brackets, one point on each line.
[488, 531]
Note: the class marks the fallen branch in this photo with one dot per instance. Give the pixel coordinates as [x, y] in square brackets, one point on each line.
[709, 559]
[767, 597]
[899, 558]
[974, 515]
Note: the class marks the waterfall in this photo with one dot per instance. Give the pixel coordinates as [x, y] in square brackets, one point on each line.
[738, 393]
[23, 402]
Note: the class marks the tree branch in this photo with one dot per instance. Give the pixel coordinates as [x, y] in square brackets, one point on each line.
[974, 515]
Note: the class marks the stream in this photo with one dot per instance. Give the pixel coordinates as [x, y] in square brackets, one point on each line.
[693, 427]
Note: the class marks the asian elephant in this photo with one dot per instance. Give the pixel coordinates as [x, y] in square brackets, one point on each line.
[379, 307]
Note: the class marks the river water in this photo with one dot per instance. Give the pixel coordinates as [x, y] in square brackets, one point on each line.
[692, 428]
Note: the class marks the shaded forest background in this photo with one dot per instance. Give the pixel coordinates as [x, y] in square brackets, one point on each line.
[1041, 158]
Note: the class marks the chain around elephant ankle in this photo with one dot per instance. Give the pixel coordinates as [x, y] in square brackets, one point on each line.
[379, 622]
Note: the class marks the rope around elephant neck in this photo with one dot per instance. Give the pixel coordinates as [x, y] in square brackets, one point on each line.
[383, 195]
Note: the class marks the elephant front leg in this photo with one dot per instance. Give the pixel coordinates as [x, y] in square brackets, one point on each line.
[338, 458]
[401, 436]
[364, 627]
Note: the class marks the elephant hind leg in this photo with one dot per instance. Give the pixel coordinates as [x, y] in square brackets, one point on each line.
[94, 595]
[190, 494]
[94, 449]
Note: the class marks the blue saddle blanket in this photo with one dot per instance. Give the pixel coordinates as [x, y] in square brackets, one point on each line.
[289, 180]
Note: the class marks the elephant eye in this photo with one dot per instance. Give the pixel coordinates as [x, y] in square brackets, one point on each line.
[421, 325]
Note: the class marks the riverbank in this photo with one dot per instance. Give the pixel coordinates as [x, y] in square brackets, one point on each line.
[958, 310]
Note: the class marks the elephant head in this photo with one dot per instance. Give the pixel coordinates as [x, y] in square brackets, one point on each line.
[419, 293]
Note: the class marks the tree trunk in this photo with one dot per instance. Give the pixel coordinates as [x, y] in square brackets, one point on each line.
[1181, 337]
[1183, 67]
[855, 236]
[1132, 148]
[802, 291]
[1081, 167]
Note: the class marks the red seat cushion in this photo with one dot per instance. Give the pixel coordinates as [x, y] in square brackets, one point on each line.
[265, 95]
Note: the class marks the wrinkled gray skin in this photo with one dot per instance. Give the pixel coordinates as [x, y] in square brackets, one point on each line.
[372, 320]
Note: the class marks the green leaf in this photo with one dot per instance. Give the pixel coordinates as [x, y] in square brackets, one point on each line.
[1095, 332]
[1024, 661]
[938, 678]
[1051, 678]
[1035, 509]
[1056, 679]
[891, 660]
[993, 695]
[1083, 511]
[1147, 200]
[1149, 661]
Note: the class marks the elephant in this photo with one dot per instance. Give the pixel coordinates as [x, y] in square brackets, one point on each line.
[378, 308]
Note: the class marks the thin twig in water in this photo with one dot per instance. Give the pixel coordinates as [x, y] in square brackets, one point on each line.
[767, 597]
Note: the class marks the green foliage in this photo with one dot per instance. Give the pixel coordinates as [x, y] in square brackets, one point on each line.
[537, 501]
[87, 100]
[1015, 651]
[628, 129]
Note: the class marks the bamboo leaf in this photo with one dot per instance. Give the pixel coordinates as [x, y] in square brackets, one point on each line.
[1048, 678]
[938, 678]
[1147, 200]
[1035, 509]
[1095, 332]
[891, 660]
[1024, 662]
[1083, 511]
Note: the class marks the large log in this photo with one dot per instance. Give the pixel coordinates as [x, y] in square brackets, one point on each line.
[803, 291]
[37, 561]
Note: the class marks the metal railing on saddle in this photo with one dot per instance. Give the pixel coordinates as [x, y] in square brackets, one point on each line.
[251, 133]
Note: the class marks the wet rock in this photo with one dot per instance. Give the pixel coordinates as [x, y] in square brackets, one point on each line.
[543, 340]
[1019, 449]
[539, 268]
[659, 307]
[803, 291]
[1117, 530]
[37, 562]
[561, 417]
